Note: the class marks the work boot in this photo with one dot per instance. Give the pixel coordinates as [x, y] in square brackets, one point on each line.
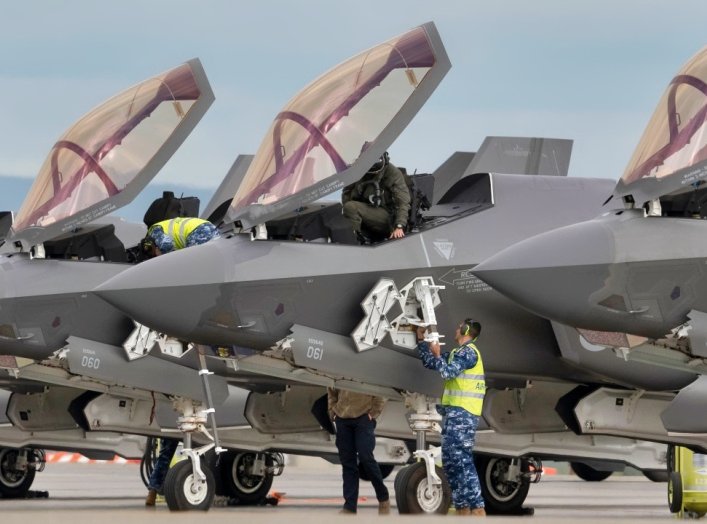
[362, 239]
[463, 512]
[384, 507]
[478, 512]
[151, 497]
[345, 511]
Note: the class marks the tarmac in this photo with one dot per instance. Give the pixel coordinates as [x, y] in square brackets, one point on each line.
[310, 492]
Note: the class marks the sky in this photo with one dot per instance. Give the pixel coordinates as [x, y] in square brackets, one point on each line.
[592, 71]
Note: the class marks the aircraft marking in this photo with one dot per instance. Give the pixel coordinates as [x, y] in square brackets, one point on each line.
[445, 248]
[464, 280]
[424, 250]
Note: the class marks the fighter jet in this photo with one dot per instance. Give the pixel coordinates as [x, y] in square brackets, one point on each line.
[632, 280]
[289, 281]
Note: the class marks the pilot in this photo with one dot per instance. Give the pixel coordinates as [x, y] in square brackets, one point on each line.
[380, 201]
[177, 233]
[462, 402]
[355, 417]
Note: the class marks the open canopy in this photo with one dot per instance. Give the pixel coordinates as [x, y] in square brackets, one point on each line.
[314, 145]
[105, 159]
[672, 154]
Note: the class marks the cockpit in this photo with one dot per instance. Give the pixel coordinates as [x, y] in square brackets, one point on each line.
[669, 164]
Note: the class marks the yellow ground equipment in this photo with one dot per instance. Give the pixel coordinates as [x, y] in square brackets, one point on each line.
[687, 482]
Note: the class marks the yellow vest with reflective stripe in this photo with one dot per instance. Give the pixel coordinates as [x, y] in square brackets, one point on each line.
[179, 229]
[468, 388]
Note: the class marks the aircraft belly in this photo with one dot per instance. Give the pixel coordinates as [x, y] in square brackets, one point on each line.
[608, 368]
[687, 413]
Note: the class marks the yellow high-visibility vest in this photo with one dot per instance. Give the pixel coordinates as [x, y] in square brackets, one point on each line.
[179, 229]
[468, 388]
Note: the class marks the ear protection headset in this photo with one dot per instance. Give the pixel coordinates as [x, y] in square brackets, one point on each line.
[465, 328]
[147, 245]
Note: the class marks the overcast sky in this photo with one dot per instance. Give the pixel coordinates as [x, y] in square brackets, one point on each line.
[588, 70]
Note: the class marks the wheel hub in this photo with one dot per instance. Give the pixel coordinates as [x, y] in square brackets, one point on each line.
[497, 480]
[195, 490]
[429, 497]
[10, 477]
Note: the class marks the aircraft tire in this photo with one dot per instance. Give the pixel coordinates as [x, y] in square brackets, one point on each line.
[675, 492]
[236, 483]
[13, 484]
[501, 496]
[386, 470]
[183, 492]
[588, 473]
[413, 496]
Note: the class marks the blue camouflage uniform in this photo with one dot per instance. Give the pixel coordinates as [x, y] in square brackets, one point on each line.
[199, 235]
[458, 429]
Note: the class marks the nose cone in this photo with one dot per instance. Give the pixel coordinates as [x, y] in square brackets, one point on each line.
[169, 293]
[556, 274]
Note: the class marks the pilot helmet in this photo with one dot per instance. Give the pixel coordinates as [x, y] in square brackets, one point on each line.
[379, 164]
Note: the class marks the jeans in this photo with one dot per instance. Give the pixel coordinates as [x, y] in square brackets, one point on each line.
[355, 440]
[167, 448]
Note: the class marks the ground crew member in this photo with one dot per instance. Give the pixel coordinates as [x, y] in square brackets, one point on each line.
[177, 233]
[380, 201]
[159, 471]
[464, 388]
[163, 237]
[355, 417]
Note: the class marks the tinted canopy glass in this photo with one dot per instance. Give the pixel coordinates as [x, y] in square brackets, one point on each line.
[321, 132]
[100, 155]
[672, 152]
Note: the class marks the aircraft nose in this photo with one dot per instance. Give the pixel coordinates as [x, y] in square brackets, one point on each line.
[556, 274]
[169, 293]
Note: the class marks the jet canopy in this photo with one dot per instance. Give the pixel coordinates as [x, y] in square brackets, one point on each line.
[672, 154]
[109, 155]
[314, 145]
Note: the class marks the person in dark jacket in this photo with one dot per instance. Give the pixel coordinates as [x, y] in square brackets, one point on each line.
[380, 201]
[355, 417]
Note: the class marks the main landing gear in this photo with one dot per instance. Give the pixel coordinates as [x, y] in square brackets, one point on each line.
[422, 487]
[17, 470]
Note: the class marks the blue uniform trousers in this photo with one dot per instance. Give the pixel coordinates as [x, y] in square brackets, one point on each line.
[458, 436]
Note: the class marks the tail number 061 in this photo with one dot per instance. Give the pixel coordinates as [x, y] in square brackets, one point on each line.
[315, 352]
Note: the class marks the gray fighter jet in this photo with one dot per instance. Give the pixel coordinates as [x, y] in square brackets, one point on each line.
[632, 280]
[273, 303]
[288, 280]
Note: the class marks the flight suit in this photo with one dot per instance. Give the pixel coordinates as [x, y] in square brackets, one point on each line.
[461, 406]
[362, 207]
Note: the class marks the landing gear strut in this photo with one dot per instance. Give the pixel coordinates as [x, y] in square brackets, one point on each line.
[422, 487]
[190, 484]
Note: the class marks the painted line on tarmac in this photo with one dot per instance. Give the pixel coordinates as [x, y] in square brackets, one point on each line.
[62, 457]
